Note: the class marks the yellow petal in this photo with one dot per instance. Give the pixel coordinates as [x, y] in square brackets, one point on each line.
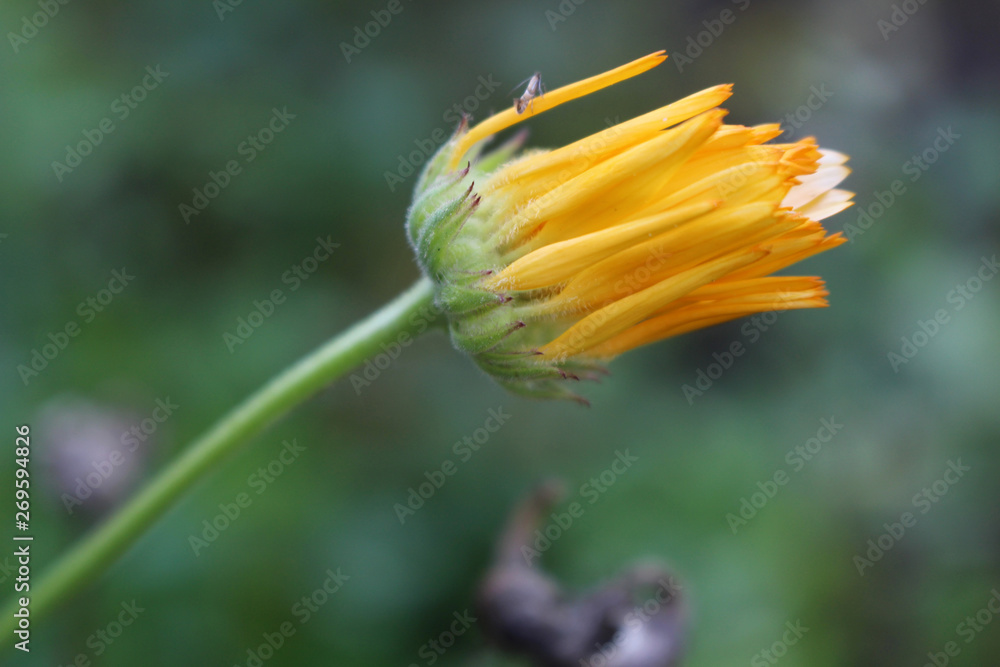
[755, 286]
[626, 180]
[556, 263]
[624, 313]
[788, 293]
[786, 252]
[719, 180]
[638, 266]
[737, 136]
[544, 171]
[551, 99]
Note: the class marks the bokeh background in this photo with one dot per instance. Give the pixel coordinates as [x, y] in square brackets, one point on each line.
[891, 92]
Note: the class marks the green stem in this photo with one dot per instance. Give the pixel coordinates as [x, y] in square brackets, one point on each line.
[105, 544]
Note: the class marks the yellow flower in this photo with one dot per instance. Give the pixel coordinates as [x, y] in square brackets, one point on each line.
[551, 263]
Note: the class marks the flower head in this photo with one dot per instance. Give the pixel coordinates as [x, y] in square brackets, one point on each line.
[550, 263]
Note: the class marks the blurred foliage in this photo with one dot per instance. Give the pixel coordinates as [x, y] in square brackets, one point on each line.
[324, 176]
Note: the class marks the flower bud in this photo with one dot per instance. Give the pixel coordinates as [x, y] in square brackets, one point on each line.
[550, 263]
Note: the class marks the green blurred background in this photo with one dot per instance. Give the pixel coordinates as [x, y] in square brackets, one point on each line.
[324, 175]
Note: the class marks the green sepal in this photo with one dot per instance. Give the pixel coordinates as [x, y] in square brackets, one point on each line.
[496, 158]
[438, 165]
[526, 371]
[546, 389]
[441, 228]
[427, 202]
[479, 333]
[460, 300]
